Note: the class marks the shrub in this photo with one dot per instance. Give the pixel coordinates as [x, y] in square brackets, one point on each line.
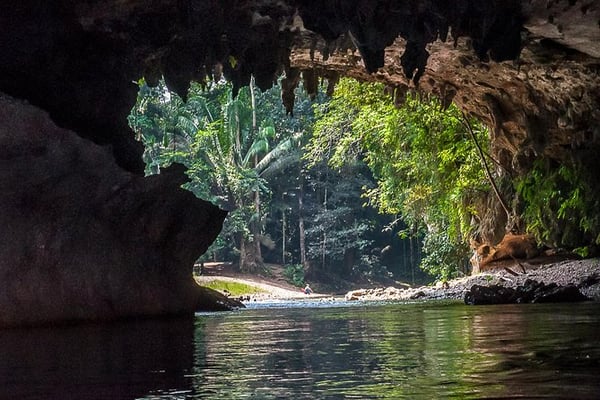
[294, 273]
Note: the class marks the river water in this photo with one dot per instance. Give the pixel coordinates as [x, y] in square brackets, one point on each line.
[312, 350]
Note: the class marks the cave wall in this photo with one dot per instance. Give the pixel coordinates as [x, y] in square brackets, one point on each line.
[84, 239]
[86, 236]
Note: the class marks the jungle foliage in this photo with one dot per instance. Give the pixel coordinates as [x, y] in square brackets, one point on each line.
[244, 154]
[424, 162]
[561, 205]
[229, 145]
[353, 184]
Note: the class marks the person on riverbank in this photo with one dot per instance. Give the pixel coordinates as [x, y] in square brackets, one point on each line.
[307, 289]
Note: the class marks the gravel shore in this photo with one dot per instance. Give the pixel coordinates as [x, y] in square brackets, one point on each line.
[585, 274]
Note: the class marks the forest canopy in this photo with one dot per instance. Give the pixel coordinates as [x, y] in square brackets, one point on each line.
[423, 160]
[354, 184]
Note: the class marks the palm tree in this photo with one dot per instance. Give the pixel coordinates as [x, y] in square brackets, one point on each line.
[241, 153]
[231, 151]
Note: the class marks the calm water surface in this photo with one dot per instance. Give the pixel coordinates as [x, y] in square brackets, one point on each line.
[316, 351]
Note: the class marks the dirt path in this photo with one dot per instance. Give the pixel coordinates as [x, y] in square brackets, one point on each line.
[275, 285]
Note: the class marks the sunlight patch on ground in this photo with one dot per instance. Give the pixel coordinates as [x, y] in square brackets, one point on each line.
[233, 288]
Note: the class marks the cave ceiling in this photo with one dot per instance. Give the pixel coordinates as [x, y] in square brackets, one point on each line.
[539, 91]
[529, 69]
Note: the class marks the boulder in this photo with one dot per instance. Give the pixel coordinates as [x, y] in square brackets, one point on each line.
[530, 292]
[355, 294]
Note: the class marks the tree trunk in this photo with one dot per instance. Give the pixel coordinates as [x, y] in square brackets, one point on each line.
[283, 236]
[406, 267]
[412, 258]
[324, 247]
[349, 260]
[253, 106]
[256, 226]
[248, 260]
[257, 231]
[301, 232]
[243, 256]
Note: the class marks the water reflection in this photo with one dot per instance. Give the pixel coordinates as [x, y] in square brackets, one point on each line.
[550, 351]
[401, 351]
[112, 361]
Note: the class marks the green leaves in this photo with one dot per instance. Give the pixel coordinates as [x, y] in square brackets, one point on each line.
[426, 168]
[232, 146]
[294, 274]
[560, 204]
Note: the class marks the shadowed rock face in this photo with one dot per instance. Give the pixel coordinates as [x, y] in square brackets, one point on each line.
[84, 236]
[84, 239]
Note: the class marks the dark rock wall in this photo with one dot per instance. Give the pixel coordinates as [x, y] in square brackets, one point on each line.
[80, 60]
[83, 79]
[81, 238]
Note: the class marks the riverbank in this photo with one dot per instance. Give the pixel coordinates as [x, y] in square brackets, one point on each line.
[268, 288]
[584, 274]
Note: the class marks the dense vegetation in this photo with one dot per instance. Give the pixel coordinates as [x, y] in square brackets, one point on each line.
[561, 204]
[423, 159]
[353, 184]
[246, 155]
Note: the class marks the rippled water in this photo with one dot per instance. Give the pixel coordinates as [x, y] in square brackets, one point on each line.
[317, 351]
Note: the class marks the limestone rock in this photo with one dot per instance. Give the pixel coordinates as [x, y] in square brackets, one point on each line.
[83, 239]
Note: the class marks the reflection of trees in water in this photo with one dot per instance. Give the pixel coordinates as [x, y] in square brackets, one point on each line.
[397, 351]
[243, 355]
[389, 351]
[539, 350]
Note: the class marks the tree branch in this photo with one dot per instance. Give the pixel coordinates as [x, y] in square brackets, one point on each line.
[488, 174]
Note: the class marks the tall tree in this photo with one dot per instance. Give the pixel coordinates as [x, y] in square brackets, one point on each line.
[229, 146]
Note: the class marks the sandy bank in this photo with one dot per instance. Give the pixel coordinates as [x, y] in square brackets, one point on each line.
[272, 290]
